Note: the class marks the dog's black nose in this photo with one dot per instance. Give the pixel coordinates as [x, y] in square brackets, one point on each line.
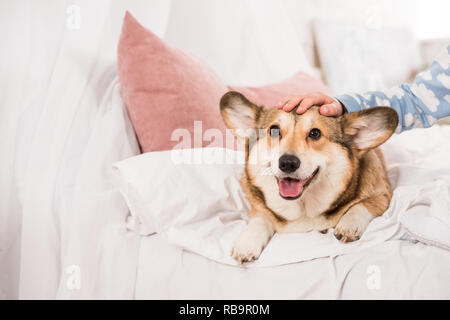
[288, 163]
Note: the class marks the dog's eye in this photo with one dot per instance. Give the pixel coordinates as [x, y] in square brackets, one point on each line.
[275, 132]
[315, 134]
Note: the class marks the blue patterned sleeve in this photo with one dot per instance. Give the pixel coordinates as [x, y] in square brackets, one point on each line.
[419, 104]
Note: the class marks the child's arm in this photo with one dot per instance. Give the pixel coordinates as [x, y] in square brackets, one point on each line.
[419, 104]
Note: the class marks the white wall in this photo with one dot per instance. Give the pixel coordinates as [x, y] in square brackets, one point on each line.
[432, 19]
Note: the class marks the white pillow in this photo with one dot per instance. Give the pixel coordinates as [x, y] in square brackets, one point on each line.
[186, 195]
[357, 58]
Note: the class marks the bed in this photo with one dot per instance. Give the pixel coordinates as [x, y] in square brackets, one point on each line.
[402, 255]
[64, 231]
[391, 270]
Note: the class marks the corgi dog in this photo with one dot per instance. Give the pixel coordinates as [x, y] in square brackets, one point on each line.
[308, 172]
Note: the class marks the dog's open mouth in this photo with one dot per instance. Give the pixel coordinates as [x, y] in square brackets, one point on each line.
[291, 189]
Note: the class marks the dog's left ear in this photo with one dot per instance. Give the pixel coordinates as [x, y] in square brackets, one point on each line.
[367, 129]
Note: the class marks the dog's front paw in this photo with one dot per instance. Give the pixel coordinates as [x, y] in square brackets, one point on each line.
[347, 234]
[247, 247]
[250, 243]
[353, 224]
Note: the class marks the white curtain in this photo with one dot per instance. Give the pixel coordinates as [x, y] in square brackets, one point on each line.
[63, 124]
[249, 42]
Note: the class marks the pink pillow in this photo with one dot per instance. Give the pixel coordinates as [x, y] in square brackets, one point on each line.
[166, 89]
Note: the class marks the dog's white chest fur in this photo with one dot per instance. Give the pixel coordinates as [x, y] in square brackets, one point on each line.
[288, 209]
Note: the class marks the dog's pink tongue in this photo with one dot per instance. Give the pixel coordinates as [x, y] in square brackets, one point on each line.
[290, 187]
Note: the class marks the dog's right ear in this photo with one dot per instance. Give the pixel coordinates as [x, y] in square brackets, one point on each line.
[239, 114]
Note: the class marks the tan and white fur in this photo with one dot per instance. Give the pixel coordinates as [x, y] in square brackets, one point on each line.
[333, 163]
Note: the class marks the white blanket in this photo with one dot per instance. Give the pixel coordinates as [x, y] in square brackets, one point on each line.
[201, 208]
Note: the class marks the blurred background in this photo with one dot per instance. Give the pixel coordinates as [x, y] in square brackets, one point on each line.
[349, 44]
[352, 45]
[368, 45]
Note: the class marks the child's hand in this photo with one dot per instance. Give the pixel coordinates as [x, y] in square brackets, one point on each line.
[328, 105]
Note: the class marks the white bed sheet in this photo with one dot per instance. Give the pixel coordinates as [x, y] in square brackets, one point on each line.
[406, 270]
